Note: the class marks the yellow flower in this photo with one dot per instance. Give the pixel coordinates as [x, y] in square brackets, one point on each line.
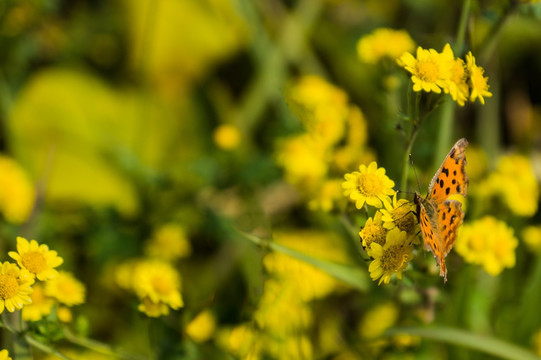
[151, 308]
[159, 282]
[41, 305]
[377, 320]
[201, 328]
[37, 259]
[478, 83]
[169, 242]
[487, 242]
[532, 237]
[4, 355]
[64, 314]
[430, 71]
[384, 42]
[329, 193]
[15, 287]
[400, 214]
[536, 342]
[17, 194]
[373, 231]
[391, 258]
[227, 137]
[242, 340]
[369, 185]
[66, 289]
[457, 87]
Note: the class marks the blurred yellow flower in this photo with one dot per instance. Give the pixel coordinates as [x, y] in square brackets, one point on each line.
[377, 320]
[400, 214]
[488, 242]
[159, 282]
[169, 242]
[36, 258]
[536, 342]
[477, 162]
[242, 341]
[4, 355]
[41, 304]
[227, 137]
[151, 308]
[478, 83]
[66, 289]
[384, 43]
[17, 194]
[391, 258]
[64, 314]
[15, 287]
[369, 185]
[430, 71]
[201, 328]
[328, 194]
[373, 231]
[532, 237]
[291, 348]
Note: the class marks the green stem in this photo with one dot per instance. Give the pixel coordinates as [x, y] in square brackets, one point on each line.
[488, 44]
[98, 346]
[486, 344]
[415, 123]
[462, 25]
[43, 347]
[445, 133]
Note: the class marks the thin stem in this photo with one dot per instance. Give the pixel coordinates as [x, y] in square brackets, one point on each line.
[462, 25]
[4, 323]
[486, 344]
[415, 123]
[45, 348]
[488, 44]
[98, 346]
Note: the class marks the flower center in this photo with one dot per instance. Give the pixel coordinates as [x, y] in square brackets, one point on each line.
[369, 185]
[392, 259]
[34, 262]
[404, 219]
[161, 285]
[427, 71]
[8, 287]
[373, 233]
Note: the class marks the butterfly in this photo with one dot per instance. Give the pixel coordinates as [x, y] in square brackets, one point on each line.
[438, 215]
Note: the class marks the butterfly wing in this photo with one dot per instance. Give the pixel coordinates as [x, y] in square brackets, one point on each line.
[450, 217]
[451, 177]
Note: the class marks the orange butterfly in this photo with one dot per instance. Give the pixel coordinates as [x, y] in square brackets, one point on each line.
[438, 215]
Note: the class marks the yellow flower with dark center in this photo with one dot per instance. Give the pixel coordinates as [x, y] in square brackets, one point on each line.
[41, 305]
[373, 231]
[488, 242]
[400, 214]
[66, 289]
[391, 258]
[369, 185]
[430, 71]
[478, 83]
[37, 259]
[15, 287]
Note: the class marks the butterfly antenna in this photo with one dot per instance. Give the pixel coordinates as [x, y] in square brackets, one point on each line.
[415, 172]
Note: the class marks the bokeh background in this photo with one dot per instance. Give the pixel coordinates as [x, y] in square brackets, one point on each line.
[170, 128]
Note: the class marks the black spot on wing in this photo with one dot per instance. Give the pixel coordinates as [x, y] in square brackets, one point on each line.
[447, 191]
[445, 171]
[441, 183]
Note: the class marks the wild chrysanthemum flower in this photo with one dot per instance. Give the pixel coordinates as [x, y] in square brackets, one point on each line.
[201, 328]
[478, 83]
[169, 242]
[66, 289]
[17, 194]
[430, 71]
[227, 137]
[369, 185]
[488, 242]
[400, 214]
[15, 287]
[4, 355]
[36, 258]
[532, 237]
[457, 86]
[41, 304]
[159, 282]
[391, 258]
[384, 43]
[373, 231]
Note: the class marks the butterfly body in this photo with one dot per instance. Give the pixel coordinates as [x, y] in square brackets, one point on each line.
[440, 216]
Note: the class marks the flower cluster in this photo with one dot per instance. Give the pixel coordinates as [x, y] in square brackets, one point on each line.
[433, 71]
[488, 242]
[384, 43]
[389, 235]
[34, 285]
[332, 139]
